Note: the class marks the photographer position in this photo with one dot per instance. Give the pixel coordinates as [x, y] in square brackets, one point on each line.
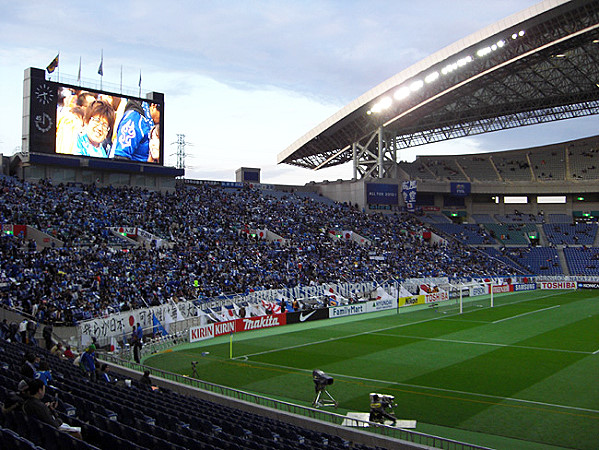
[379, 403]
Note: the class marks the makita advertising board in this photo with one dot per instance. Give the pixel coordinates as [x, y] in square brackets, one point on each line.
[307, 316]
[257, 323]
[557, 285]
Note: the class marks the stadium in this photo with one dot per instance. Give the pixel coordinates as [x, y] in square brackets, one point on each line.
[447, 302]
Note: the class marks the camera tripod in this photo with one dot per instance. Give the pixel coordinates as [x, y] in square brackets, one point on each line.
[194, 372]
[324, 402]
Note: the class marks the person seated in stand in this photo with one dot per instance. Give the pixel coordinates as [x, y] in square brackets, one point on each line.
[34, 406]
[68, 353]
[57, 350]
[105, 375]
[29, 367]
[144, 381]
[44, 373]
[14, 400]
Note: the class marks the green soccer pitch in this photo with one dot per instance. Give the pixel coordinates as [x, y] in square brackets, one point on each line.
[521, 374]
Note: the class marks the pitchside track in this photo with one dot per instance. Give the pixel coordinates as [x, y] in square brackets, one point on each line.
[523, 374]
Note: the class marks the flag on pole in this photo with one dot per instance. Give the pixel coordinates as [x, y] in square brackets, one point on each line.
[158, 328]
[53, 64]
[114, 345]
[168, 319]
[179, 315]
[79, 72]
[139, 84]
[101, 68]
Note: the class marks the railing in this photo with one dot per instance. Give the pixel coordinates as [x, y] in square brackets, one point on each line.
[313, 413]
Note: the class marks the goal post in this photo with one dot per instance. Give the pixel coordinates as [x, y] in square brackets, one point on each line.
[469, 296]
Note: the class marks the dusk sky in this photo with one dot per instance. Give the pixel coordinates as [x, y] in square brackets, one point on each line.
[243, 80]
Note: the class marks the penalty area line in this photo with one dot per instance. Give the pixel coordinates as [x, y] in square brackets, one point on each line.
[526, 313]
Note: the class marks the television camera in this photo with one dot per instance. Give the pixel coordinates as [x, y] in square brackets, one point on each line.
[381, 408]
[321, 381]
[194, 372]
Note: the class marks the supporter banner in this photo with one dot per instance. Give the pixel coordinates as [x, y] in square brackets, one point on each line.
[525, 287]
[588, 285]
[408, 191]
[122, 323]
[307, 316]
[436, 297]
[130, 231]
[382, 194]
[557, 285]
[460, 189]
[412, 300]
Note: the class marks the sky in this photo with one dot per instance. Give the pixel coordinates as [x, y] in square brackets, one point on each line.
[243, 80]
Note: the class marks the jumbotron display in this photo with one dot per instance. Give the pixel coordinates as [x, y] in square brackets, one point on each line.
[72, 120]
[107, 126]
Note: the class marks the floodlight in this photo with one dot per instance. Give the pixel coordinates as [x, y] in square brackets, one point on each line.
[416, 85]
[484, 51]
[431, 77]
[401, 93]
[385, 102]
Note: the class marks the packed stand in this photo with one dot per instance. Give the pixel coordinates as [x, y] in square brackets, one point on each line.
[212, 251]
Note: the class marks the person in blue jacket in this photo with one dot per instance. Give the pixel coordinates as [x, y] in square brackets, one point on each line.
[88, 362]
[133, 133]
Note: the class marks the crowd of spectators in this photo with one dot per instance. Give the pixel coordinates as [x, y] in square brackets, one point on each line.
[211, 249]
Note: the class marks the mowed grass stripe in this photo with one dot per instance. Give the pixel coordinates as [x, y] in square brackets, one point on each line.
[392, 353]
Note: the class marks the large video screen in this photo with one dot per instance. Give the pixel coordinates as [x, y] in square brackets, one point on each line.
[103, 125]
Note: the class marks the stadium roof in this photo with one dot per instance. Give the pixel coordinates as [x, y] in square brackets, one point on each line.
[536, 66]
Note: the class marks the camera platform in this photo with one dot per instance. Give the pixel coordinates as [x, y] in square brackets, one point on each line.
[358, 419]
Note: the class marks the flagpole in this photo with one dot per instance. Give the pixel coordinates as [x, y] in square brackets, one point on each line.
[101, 69]
[58, 67]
